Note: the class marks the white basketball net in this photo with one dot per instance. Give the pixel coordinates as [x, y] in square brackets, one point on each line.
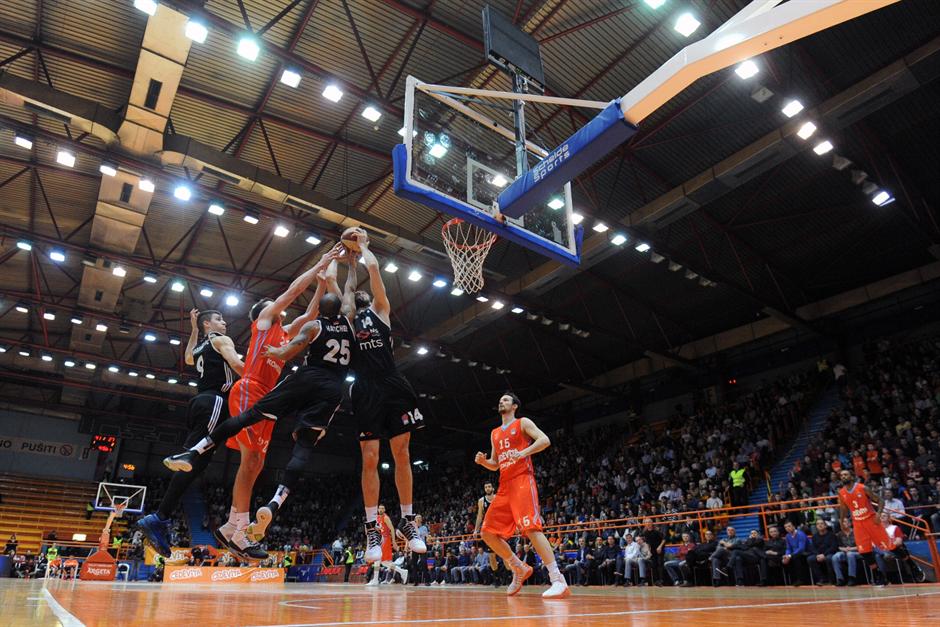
[467, 246]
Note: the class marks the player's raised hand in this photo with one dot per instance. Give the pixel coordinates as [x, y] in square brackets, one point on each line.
[194, 316]
[362, 238]
[480, 458]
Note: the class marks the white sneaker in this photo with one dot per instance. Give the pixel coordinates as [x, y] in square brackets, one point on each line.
[518, 578]
[404, 577]
[558, 590]
[433, 583]
[373, 582]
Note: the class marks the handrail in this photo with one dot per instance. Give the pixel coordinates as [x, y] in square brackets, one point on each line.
[721, 514]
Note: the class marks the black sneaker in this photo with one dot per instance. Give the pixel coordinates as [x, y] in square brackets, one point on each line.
[224, 543]
[407, 526]
[919, 575]
[373, 543]
[181, 462]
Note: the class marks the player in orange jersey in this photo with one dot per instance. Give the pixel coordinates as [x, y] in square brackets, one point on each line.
[516, 505]
[260, 375]
[856, 498]
[384, 524]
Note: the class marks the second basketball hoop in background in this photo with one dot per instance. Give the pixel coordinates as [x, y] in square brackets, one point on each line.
[467, 245]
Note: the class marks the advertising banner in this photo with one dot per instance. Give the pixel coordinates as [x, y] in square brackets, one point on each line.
[206, 574]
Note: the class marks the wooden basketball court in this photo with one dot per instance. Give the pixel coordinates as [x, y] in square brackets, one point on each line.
[76, 604]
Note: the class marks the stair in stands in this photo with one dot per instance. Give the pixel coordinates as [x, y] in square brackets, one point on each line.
[780, 472]
[194, 505]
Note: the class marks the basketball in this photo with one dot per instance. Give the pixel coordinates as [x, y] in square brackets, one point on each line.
[349, 238]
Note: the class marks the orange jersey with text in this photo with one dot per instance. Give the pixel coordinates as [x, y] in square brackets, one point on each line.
[264, 370]
[507, 439]
[857, 501]
[386, 532]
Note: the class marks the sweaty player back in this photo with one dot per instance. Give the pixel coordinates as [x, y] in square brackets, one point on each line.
[215, 375]
[511, 438]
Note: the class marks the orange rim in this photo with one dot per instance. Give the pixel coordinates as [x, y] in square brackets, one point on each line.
[456, 222]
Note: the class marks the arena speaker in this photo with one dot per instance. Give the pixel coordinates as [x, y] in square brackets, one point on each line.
[512, 49]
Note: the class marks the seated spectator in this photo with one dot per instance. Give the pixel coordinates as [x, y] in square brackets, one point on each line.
[577, 570]
[480, 571]
[847, 554]
[898, 551]
[676, 568]
[823, 547]
[636, 554]
[722, 554]
[606, 558]
[700, 554]
[750, 552]
[797, 548]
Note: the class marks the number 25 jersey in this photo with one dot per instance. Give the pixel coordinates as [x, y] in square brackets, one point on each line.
[332, 348]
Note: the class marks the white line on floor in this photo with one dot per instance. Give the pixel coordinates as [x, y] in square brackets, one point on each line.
[468, 619]
[64, 616]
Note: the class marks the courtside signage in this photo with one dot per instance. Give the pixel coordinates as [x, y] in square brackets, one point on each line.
[40, 446]
[207, 574]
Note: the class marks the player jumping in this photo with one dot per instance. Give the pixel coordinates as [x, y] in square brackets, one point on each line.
[215, 360]
[261, 373]
[517, 502]
[384, 404]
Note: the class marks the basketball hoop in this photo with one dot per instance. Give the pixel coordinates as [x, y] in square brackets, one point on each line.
[467, 245]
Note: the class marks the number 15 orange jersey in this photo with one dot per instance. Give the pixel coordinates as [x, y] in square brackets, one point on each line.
[511, 438]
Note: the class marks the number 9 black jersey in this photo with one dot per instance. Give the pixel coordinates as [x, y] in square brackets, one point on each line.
[214, 372]
[332, 349]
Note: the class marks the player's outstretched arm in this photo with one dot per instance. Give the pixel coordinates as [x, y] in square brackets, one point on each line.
[348, 298]
[540, 441]
[273, 310]
[380, 302]
[313, 309]
[193, 337]
[224, 346]
[307, 334]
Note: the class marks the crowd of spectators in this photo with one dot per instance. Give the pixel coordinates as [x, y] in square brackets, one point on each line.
[886, 431]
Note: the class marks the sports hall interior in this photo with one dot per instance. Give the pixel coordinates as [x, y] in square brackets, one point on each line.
[759, 284]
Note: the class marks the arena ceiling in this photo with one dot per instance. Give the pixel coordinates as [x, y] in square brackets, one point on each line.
[796, 232]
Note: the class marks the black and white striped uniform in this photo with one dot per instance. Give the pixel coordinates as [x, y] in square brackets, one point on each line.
[210, 405]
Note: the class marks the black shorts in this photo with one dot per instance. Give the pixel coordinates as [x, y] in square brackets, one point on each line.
[311, 393]
[384, 406]
[206, 410]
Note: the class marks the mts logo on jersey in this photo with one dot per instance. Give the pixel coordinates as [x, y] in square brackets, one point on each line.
[370, 337]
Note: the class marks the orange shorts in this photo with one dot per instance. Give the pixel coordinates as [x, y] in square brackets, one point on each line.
[516, 506]
[387, 550]
[869, 533]
[243, 395]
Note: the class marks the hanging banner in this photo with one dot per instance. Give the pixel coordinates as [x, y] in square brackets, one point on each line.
[41, 446]
[207, 574]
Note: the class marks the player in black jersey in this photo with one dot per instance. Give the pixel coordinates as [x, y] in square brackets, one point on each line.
[313, 392]
[384, 405]
[217, 363]
[482, 504]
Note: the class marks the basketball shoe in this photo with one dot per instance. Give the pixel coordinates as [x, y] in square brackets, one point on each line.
[558, 590]
[247, 549]
[157, 532]
[373, 543]
[408, 528]
[181, 461]
[263, 518]
[519, 575]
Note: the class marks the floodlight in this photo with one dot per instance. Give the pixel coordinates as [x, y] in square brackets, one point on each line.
[806, 131]
[414, 275]
[391, 268]
[183, 192]
[101, 327]
[792, 108]
[196, 31]
[290, 78]
[206, 292]
[248, 48]
[23, 140]
[146, 185]
[66, 158]
[823, 147]
[177, 286]
[600, 227]
[147, 6]
[119, 271]
[882, 198]
[251, 216]
[150, 278]
[437, 151]
[500, 181]
[483, 299]
[24, 245]
[371, 113]
[333, 93]
[747, 69]
[48, 315]
[57, 255]
[576, 218]
[439, 283]
[281, 231]
[686, 24]
[150, 337]
[313, 240]
[456, 291]
[642, 247]
[498, 304]
[422, 350]
[108, 168]
[231, 300]
[216, 208]
[556, 203]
